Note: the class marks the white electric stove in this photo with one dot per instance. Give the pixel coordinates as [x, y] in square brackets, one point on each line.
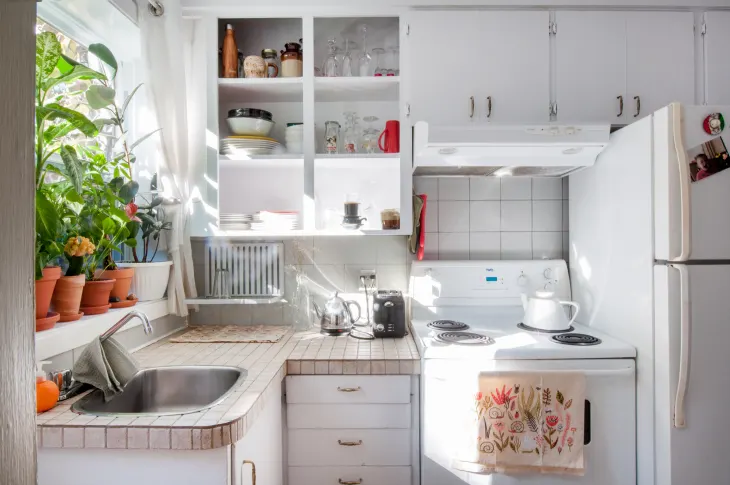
[467, 320]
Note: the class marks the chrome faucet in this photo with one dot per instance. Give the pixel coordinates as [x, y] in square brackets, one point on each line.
[126, 319]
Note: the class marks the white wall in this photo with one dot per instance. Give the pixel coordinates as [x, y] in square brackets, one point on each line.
[493, 218]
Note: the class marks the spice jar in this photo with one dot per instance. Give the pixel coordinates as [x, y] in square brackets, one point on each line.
[291, 60]
[331, 137]
[271, 58]
[390, 219]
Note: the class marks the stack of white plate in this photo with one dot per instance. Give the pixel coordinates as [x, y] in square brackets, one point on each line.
[275, 221]
[294, 138]
[236, 222]
[250, 145]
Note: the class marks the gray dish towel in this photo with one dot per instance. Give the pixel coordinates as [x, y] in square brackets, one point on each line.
[105, 365]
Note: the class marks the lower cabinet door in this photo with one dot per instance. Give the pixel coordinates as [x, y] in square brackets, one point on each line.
[350, 475]
[331, 447]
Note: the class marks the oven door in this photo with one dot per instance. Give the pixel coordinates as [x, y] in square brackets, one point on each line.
[610, 420]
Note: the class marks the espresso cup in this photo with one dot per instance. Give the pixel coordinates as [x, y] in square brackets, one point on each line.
[352, 209]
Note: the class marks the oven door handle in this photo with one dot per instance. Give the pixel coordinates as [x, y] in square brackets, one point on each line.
[624, 371]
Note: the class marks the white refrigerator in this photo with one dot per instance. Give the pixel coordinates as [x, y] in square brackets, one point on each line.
[650, 264]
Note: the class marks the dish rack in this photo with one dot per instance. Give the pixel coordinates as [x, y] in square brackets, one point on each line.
[242, 273]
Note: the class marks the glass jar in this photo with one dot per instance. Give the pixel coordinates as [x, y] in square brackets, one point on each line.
[369, 141]
[271, 58]
[291, 60]
[331, 137]
[390, 219]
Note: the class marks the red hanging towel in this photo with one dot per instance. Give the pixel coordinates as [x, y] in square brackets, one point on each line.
[422, 236]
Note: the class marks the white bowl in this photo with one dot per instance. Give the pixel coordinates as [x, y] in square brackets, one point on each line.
[250, 126]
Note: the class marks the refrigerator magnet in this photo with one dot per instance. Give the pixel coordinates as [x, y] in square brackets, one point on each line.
[714, 124]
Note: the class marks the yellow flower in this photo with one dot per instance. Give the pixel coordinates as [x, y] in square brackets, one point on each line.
[79, 246]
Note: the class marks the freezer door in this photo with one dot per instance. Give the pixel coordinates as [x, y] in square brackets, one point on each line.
[690, 202]
[692, 379]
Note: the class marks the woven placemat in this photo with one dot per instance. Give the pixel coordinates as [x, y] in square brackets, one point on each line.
[262, 334]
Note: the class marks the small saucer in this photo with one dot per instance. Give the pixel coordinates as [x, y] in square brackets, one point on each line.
[351, 227]
[125, 303]
[96, 310]
[46, 323]
[71, 318]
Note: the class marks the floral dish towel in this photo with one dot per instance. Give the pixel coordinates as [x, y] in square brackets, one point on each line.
[524, 423]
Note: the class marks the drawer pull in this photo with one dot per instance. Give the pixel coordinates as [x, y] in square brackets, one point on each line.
[350, 443]
[350, 482]
[348, 389]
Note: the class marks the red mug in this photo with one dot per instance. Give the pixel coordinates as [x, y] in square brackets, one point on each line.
[391, 143]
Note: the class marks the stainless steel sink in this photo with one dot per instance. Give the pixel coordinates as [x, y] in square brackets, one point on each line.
[163, 391]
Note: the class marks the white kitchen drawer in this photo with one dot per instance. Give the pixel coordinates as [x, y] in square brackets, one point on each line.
[348, 389]
[329, 416]
[366, 475]
[349, 447]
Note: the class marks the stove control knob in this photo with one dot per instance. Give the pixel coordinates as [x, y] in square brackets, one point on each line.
[379, 327]
[522, 280]
[548, 273]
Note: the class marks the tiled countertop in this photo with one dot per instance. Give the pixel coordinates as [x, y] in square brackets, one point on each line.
[227, 422]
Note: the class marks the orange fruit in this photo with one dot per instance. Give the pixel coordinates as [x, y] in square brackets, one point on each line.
[46, 396]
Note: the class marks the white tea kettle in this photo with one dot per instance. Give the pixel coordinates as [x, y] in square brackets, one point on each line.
[545, 312]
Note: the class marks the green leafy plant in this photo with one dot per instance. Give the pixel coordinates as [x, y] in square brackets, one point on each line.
[152, 225]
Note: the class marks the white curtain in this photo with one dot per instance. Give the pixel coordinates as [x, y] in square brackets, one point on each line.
[166, 51]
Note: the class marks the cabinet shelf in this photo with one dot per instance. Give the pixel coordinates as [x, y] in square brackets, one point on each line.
[375, 88]
[263, 161]
[280, 89]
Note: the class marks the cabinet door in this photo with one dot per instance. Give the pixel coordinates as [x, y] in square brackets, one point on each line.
[590, 63]
[512, 55]
[717, 63]
[442, 67]
[660, 65]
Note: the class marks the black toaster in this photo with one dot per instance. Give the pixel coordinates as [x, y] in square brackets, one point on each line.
[389, 314]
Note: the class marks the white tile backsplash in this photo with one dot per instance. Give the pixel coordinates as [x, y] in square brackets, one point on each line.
[516, 245]
[547, 188]
[485, 245]
[484, 188]
[516, 215]
[453, 245]
[547, 215]
[454, 188]
[453, 216]
[516, 188]
[484, 215]
[496, 218]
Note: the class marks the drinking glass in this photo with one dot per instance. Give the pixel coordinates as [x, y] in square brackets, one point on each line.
[364, 59]
[331, 67]
[394, 63]
[347, 59]
[378, 55]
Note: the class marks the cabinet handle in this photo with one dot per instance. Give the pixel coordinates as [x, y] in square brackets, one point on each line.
[351, 482]
[349, 443]
[348, 389]
[489, 106]
[471, 106]
[253, 471]
[637, 100]
[620, 106]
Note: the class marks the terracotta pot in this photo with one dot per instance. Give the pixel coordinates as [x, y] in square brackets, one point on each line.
[96, 293]
[123, 277]
[67, 296]
[44, 290]
[46, 323]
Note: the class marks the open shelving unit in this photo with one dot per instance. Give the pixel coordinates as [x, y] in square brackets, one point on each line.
[312, 183]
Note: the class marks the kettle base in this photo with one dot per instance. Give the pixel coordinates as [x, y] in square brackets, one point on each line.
[334, 332]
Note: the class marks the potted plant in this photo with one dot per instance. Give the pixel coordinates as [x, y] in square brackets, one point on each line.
[103, 96]
[56, 129]
[151, 277]
[67, 295]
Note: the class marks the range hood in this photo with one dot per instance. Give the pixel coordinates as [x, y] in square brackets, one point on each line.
[506, 150]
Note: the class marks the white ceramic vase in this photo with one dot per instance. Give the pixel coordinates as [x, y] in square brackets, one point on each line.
[150, 279]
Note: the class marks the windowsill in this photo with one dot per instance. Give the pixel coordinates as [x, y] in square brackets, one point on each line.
[71, 335]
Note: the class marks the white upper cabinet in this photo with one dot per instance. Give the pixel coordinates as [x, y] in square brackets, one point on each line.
[462, 60]
[442, 66]
[590, 66]
[641, 60]
[660, 66]
[717, 63]
[512, 54]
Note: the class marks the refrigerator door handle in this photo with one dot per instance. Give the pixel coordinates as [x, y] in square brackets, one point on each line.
[684, 181]
[679, 415]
